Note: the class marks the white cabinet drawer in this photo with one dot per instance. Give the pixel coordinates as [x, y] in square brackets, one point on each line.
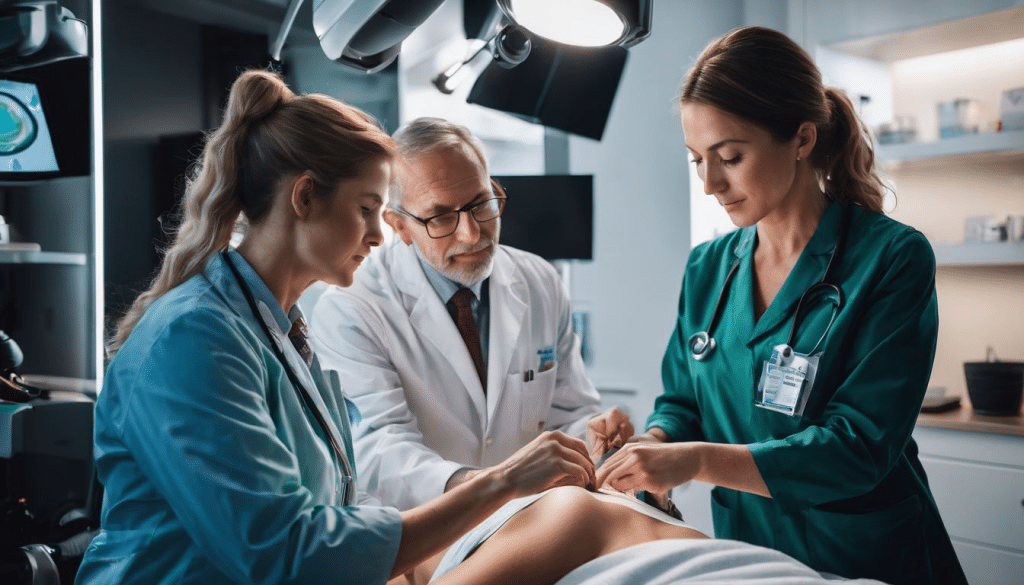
[1006, 450]
[978, 501]
[984, 565]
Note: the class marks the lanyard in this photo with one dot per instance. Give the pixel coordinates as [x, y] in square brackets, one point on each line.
[300, 389]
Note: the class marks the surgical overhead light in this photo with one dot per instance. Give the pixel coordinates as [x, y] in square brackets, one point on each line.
[585, 23]
[506, 27]
[39, 32]
[361, 34]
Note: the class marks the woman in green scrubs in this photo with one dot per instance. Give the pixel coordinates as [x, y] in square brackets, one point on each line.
[802, 422]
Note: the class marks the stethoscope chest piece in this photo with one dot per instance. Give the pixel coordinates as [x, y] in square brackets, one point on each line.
[701, 345]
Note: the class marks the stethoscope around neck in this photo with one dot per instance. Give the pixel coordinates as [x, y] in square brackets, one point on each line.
[348, 478]
[702, 344]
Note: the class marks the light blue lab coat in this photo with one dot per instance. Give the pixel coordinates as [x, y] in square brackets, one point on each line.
[214, 471]
[849, 495]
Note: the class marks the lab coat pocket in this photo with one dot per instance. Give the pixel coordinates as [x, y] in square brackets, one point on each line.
[537, 389]
[886, 544]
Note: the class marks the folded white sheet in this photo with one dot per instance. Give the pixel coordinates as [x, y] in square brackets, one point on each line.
[709, 562]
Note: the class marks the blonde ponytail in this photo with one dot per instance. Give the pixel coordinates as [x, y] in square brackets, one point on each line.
[268, 133]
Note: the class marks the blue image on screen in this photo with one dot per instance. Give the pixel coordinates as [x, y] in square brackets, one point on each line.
[25, 142]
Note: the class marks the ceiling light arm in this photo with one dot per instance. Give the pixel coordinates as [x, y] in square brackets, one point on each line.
[509, 46]
[286, 27]
[443, 80]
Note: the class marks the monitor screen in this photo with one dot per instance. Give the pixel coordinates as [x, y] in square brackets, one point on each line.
[549, 215]
[26, 145]
[45, 121]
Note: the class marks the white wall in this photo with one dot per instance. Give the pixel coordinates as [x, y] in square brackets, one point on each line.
[642, 209]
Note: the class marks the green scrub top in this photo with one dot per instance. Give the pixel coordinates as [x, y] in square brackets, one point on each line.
[849, 495]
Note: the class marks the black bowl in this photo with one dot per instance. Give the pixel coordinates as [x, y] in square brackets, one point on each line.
[995, 388]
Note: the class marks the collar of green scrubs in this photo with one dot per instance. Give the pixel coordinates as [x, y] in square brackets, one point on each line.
[809, 268]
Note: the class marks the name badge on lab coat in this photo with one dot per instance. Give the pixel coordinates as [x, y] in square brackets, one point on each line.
[786, 381]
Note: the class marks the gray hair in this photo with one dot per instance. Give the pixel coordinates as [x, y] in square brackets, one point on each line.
[425, 135]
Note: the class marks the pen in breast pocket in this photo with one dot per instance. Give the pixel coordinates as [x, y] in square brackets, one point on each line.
[528, 376]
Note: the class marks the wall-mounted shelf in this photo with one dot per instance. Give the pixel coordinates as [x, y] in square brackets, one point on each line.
[27, 257]
[963, 33]
[1010, 143]
[980, 254]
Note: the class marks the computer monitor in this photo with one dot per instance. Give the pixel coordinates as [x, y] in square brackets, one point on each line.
[549, 215]
[45, 128]
[26, 145]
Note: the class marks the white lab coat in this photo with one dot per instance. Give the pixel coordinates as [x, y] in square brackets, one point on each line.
[401, 360]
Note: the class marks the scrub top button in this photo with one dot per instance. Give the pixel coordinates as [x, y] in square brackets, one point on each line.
[489, 441]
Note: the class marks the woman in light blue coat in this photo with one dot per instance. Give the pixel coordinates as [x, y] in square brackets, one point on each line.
[225, 454]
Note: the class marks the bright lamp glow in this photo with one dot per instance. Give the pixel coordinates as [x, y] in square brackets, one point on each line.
[585, 23]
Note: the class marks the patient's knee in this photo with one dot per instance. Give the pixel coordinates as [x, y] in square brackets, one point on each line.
[567, 500]
[574, 512]
[569, 516]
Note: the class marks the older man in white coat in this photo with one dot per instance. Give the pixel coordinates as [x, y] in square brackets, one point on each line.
[446, 386]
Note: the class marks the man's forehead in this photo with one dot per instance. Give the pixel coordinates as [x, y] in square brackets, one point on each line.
[445, 177]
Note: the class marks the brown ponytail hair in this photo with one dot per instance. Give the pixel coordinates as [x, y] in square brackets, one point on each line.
[763, 76]
[268, 134]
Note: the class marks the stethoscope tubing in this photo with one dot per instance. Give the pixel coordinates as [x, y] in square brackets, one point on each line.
[297, 385]
[702, 344]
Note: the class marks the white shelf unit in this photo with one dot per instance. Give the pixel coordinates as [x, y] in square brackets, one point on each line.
[19, 257]
[1008, 144]
[994, 152]
[980, 254]
[903, 59]
[939, 183]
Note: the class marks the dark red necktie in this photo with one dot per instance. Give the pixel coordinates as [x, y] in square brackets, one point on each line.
[300, 339]
[467, 328]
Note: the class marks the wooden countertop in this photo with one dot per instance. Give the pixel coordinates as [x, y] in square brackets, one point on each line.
[965, 419]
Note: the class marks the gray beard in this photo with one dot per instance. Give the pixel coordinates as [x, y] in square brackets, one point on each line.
[464, 276]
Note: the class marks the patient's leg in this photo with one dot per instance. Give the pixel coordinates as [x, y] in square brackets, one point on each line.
[559, 532]
[420, 574]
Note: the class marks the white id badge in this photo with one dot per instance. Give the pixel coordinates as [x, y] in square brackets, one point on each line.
[786, 381]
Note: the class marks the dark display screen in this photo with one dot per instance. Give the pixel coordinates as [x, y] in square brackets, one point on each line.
[549, 215]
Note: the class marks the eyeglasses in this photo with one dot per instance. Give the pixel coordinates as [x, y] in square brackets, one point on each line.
[445, 224]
